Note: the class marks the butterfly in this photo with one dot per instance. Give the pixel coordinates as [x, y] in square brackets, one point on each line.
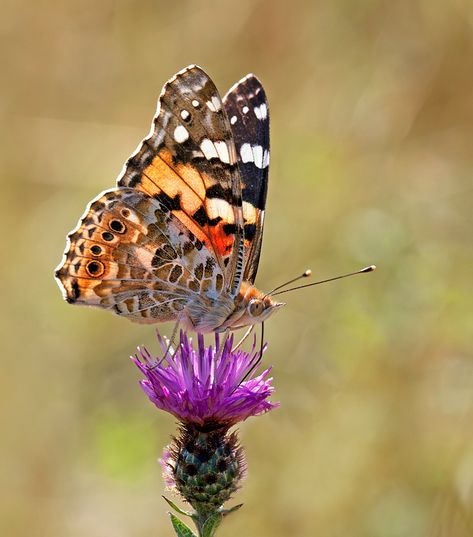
[180, 237]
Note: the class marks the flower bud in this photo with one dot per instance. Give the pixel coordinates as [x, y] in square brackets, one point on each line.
[207, 466]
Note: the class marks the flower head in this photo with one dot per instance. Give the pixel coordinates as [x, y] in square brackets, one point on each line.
[208, 387]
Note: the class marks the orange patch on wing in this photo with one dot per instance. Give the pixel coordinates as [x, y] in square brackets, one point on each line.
[186, 172]
[222, 242]
[198, 181]
[160, 177]
[213, 237]
[186, 182]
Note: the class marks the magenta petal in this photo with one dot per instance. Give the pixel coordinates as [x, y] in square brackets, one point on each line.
[204, 385]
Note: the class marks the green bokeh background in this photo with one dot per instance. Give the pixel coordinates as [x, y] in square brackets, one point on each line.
[372, 129]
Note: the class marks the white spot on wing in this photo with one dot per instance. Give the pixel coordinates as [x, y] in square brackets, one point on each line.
[214, 104]
[195, 103]
[180, 134]
[246, 153]
[222, 150]
[208, 149]
[261, 112]
[255, 154]
[185, 114]
[245, 110]
[233, 120]
[258, 156]
[219, 207]
[266, 159]
[249, 213]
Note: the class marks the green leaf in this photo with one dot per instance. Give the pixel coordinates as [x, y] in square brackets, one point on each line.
[176, 508]
[180, 528]
[211, 524]
[226, 512]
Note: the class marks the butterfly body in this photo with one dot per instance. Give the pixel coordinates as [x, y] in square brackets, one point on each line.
[180, 237]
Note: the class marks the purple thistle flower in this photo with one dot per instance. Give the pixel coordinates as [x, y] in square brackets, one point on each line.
[209, 390]
[211, 387]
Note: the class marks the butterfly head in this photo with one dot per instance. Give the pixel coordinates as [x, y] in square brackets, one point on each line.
[253, 306]
[260, 308]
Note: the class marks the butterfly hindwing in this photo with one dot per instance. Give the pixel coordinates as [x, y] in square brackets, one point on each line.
[248, 112]
[130, 254]
[189, 164]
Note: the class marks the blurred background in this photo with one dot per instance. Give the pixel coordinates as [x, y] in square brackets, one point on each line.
[372, 128]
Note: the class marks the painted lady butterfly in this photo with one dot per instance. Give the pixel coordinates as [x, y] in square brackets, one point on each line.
[180, 237]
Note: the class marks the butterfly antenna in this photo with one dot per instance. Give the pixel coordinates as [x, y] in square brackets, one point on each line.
[169, 350]
[243, 339]
[361, 271]
[305, 274]
[220, 347]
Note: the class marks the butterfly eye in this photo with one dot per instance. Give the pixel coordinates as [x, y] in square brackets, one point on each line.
[255, 307]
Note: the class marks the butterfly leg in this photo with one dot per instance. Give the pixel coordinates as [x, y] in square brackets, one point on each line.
[173, 337]
[258, 357]
[219, 347]
[242, 340]
[170, 344]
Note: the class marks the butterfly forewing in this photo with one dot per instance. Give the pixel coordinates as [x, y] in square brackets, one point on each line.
[131, 254]
[248, 111]
[189, 164]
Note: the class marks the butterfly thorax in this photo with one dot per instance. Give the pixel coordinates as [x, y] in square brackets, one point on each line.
[249, 307]
[205, 313]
